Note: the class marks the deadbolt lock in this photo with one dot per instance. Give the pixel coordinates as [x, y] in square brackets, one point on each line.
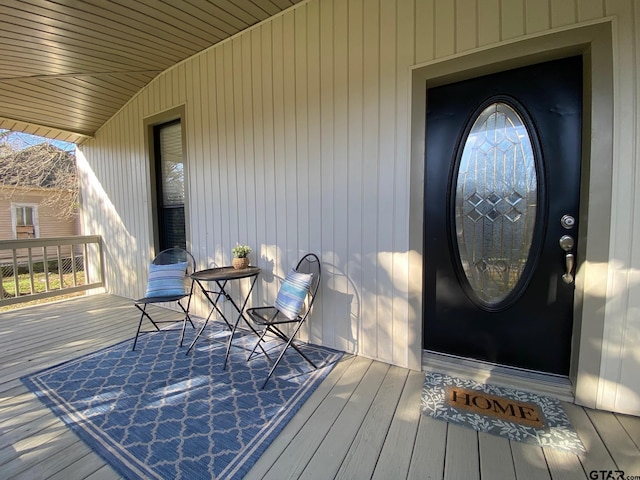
[568, 222]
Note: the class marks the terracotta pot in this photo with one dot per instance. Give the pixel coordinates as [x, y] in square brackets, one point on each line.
[239, 263]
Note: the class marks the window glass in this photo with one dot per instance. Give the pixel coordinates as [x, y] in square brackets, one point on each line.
[172, 165]
[170, 185]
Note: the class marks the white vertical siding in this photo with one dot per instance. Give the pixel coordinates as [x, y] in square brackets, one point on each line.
[512, 15]
[621, 358]
[488, 23]
[298, 140]
[367, 303]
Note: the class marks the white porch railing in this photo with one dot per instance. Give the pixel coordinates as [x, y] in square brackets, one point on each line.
[46, 267]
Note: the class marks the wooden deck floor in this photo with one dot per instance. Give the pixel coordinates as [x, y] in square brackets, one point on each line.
[362, 422]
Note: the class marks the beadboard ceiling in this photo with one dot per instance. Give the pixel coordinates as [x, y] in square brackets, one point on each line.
[66, 66]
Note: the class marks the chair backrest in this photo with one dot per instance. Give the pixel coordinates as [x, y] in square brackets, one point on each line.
[310, 263]
[176, 255]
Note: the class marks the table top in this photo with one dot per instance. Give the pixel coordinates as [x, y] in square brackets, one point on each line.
[224, 273]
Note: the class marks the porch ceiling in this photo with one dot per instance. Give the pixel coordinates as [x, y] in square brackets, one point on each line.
[67, 66]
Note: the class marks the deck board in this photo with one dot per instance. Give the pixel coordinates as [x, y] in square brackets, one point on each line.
[461, 457]
[529, 462]
[362, 456]
[363, 421]
[299, 452]
[290, 431]
[563, 465]
[495, 457]
[622, 448]
[85, 466]
[103, 473]
[330, 455]
[631, 426]
[599, 457]
[394, 461]
[427, 459]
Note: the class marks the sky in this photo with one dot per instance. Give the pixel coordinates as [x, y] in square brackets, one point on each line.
[19, 141]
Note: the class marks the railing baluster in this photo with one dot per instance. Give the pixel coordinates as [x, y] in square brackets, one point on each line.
[45, 268]
[85, 264]
[2, 292]
[31, 283]
[60, 270]
[73, 266]
[16, 277]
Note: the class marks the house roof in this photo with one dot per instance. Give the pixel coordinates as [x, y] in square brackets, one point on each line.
[67, 66]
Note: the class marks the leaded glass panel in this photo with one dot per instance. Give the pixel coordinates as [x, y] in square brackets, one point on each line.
[496, 202]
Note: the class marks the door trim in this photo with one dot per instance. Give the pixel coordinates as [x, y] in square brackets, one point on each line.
[593, 41]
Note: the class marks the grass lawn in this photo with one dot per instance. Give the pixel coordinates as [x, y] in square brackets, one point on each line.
[39, 285]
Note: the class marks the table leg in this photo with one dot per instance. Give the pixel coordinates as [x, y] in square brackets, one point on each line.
[214, 307]
[240, 311]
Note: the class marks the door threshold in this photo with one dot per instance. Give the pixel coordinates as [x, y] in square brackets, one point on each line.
[550, 385]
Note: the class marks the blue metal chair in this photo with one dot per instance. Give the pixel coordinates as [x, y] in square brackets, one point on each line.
[168, 282]
[272, 318]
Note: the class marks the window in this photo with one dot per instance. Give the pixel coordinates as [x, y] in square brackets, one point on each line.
[169, 168]
[25, 220]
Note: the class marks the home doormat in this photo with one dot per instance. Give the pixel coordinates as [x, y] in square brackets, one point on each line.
[506, 412]
[156, 413]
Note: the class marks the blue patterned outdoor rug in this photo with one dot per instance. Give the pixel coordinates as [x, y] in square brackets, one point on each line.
[514, 414]
[158, 413]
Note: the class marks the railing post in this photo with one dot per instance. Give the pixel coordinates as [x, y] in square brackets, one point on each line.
[101, 253]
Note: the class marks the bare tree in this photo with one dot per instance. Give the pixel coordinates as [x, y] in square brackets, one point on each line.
[5, 149]
[40, 166]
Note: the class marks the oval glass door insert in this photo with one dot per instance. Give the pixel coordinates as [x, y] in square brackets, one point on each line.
[496, 203]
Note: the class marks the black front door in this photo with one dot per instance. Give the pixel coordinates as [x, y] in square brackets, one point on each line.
[502, 184]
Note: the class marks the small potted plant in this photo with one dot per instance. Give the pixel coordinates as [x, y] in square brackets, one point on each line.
[240, 256]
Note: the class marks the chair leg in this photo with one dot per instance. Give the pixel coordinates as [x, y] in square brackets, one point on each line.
[289, 342]
[261, 339]
[144, 314]
[184, 322]
[275, 365]
[135, 341]
[184, 326]
[295, 347]
[258, 343]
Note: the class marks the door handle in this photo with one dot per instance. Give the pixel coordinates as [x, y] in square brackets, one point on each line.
[567, 243]
[569, 263]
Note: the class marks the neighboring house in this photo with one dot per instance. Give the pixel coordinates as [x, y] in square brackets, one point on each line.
[33, 205]
[35, 199]
[25, 213]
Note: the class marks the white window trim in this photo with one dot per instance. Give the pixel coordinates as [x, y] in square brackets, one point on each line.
[36, 221]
